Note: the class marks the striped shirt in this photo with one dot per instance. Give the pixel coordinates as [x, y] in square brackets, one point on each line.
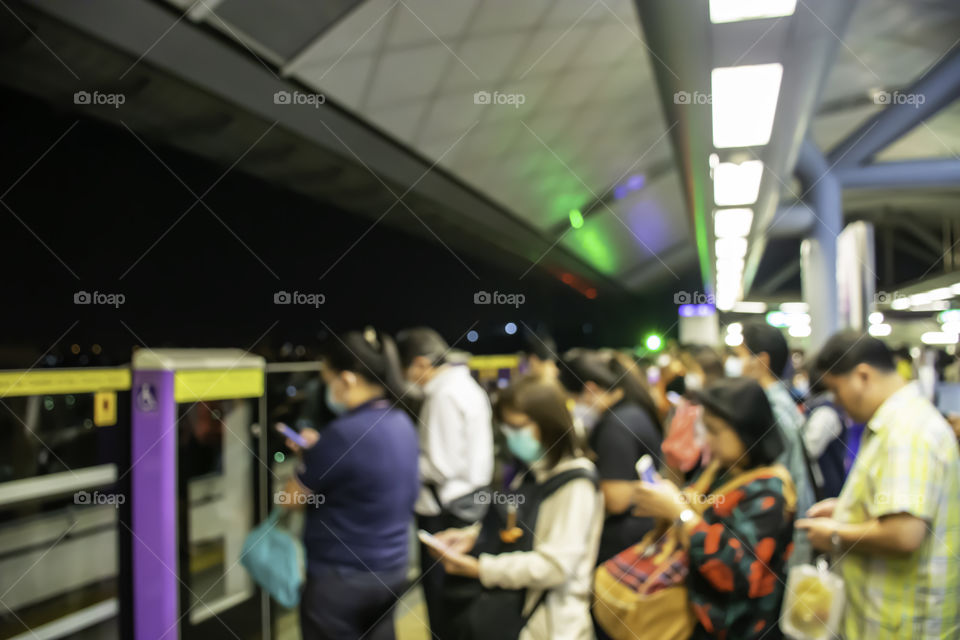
[908, 463]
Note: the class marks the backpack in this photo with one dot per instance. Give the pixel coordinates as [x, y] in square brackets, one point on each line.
[484, 613]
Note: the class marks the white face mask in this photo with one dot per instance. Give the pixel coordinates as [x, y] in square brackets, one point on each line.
[587, 415]
[733, 367]
[693, 382]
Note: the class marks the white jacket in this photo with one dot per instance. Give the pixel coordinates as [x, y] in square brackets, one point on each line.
[566, 541]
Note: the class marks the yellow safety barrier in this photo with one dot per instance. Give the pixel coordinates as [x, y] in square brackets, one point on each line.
[200, 385]
[58, 382]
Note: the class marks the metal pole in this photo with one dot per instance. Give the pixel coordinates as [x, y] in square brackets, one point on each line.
[818, 252]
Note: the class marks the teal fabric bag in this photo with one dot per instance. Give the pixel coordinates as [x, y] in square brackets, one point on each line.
[274, 559]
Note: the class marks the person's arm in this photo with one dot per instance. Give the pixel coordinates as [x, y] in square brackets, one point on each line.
[895, 534]
[906, 486]
[822, 427]
[556, 551]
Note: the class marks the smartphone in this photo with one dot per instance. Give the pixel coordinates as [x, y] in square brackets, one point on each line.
[292, 433]
[433, 541]
[646, 470]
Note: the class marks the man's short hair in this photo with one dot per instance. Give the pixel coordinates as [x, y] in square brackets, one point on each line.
[760, 337]
[845, 350]
[421, 341]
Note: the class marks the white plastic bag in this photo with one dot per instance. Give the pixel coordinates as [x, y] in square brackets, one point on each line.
[813, 603]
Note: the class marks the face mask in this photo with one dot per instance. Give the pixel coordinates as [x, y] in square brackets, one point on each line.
[801, 384]
[586, 414]
[333, 404]
[523, 444]
[733, 367]
[693, 382]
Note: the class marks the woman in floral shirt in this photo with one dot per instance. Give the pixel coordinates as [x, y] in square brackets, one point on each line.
[737, 516]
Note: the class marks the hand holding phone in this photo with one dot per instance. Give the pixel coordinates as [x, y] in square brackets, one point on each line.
[434, 542]
[292, 434]
[645, 469]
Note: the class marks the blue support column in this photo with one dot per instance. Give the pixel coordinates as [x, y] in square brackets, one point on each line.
[818, 251]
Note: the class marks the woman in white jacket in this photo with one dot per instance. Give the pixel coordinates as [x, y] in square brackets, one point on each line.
[539, 431]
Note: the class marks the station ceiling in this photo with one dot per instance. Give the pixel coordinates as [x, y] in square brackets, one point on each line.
[530, 110]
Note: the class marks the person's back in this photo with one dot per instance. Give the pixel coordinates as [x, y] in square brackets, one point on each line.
[790, 422]
[824, 435]
[365, 467]
[358, 480]
[456, 441]
[622, 436]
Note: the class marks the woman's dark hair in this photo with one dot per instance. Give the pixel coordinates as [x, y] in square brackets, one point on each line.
[544, 403]
[760, 337]
[608, 370]
[372, 356]
[421, 341]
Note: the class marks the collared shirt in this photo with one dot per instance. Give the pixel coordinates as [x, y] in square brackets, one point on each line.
[790, 421]
[908, 463]
[456, 438]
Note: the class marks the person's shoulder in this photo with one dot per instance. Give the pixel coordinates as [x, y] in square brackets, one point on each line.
[919, 423]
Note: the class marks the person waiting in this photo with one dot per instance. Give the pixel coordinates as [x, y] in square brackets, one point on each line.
[555, 571]
[740, 543]
[896, 523]
[621, 419]
[456, 449]
[357, 481]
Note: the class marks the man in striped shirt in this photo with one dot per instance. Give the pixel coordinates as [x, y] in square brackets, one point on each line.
[895, 529]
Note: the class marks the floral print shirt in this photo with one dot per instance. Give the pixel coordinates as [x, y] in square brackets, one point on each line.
[738, 557]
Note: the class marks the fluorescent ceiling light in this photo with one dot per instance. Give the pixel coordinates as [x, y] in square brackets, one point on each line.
[900, 303]
[736, 327]
[744, 104]
[879, 330]
[731, 223]
[737, 184]
[750, 307]
[939, 337]
[876, 318]
[730, 264]
[731, 248]
[794, 307]
[726, 302]
[734, 339]
[799, 330]
[737, 10]
[943, 293]
[955, 288]
[951, 327]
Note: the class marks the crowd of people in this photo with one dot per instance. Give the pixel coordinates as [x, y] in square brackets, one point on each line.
[527, 497]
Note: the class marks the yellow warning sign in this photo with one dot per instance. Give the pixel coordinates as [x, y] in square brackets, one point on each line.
[105, 408]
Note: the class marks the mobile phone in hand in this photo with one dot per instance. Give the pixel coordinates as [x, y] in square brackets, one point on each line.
[292, 434]
[433, 541]
[645, 469]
